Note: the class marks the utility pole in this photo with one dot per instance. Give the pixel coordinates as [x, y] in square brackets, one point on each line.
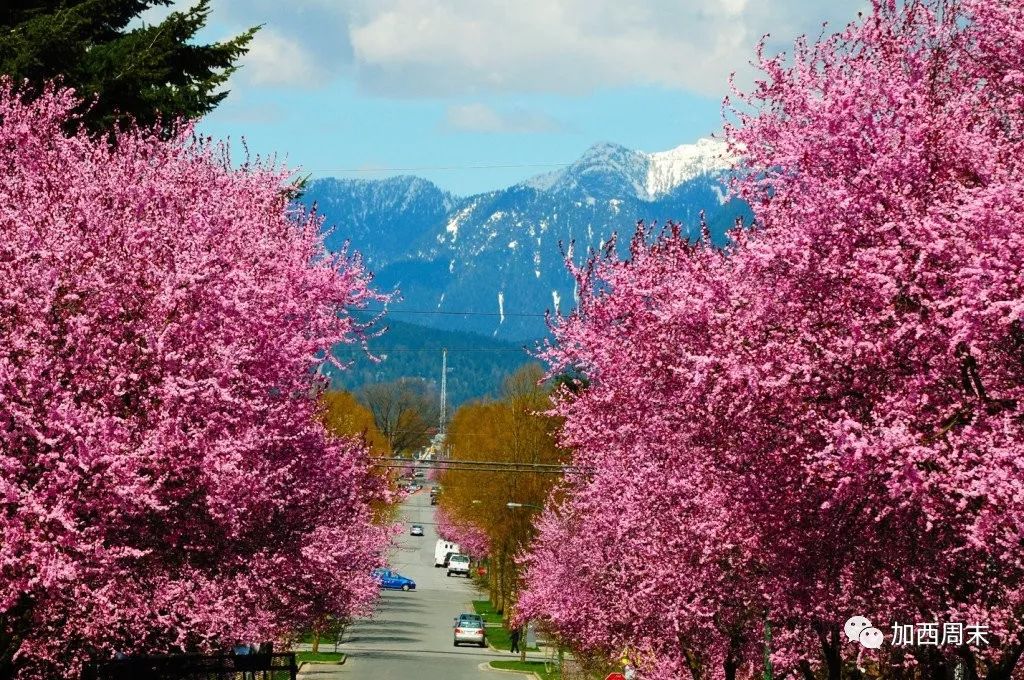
[444, 387]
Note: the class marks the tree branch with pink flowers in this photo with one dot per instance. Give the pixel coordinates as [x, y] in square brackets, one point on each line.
[165, 482]
[822, 420]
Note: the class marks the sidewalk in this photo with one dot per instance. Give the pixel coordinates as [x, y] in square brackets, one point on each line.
[323, 672]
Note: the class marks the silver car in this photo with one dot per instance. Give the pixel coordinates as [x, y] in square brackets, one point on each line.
[416, 530]
[469, 628]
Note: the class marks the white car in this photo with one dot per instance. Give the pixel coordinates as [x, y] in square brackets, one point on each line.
[415, 530]
[469, 628]
[459, 565]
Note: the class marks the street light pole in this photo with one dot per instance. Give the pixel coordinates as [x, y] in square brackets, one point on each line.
[444, 389]
[528, 632]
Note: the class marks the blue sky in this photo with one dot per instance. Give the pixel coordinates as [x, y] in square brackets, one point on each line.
[449, 89]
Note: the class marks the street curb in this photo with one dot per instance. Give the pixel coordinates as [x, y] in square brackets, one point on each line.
[505, 651]
[486, 666]
[322, 663]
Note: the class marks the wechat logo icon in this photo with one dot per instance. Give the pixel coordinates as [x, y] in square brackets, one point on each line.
[859, 629]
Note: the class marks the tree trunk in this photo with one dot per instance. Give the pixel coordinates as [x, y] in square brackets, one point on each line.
[693, 663]
[937, 667]
[13, 627]
[831, 650]
[730, 667]
[969, 662]
[492, 580]
[1003, 669]
[733, 653]
[500, 600]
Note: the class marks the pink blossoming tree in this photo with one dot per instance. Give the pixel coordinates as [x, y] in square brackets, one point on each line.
[165, 483]
[823, 421]
[472, 540]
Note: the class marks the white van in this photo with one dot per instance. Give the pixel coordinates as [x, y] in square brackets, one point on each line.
[442, 550]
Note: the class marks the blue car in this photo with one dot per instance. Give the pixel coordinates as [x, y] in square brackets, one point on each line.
[390, 580]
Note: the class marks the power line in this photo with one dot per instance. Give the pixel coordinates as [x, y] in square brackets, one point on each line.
[477, 166]
[445, 463]
[417, 168]
[449, 434]
[451, 313]
[476, 465]
[383, 350]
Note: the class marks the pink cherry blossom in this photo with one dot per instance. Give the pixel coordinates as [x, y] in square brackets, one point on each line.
[472, 540]
[824, 419]
[164, 481]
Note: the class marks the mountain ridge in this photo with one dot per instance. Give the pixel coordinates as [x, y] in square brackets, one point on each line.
[476, 363]
[498, 252]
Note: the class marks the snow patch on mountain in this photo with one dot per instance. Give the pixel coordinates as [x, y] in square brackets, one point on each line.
[669, 169]
[453, 224]
[720, 193]
[545, 181]
[649, 175]
[466, 251]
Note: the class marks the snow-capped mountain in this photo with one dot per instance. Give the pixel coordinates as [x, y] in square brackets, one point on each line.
[379, 217]
[668, 169]
[649, 175]
[500, 254]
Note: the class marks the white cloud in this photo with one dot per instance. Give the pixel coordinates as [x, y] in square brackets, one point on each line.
[157, 13]
[482, 118]
[274, 59]
[416, 48]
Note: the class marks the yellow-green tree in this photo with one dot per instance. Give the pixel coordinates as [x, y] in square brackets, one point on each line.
[511, 429]
[344, 416]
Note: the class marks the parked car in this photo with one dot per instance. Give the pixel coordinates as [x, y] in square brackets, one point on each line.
[433, 499]
[390, 580]
[416, 530]
[458, 565]
[469, 628]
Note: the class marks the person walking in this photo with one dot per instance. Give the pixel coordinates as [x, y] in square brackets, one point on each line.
[513, 638]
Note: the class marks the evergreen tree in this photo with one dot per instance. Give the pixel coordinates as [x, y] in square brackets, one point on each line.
[144, 72]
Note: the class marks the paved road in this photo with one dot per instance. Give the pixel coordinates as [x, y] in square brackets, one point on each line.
[410, 635]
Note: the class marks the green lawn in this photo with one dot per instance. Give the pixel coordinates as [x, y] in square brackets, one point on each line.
[320, 657]
[485, 609]
[529, 667]
[497, 636]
